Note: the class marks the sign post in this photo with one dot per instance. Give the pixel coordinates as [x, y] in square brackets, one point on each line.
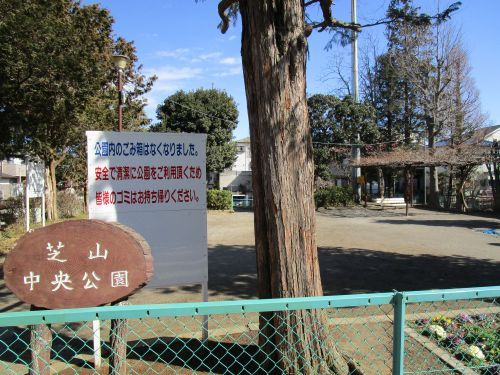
[155, 183]
[78, 263]
[35, 187]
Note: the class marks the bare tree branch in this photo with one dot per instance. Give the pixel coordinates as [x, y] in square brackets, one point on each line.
[333, 22]
[310, 3]
[222, 7]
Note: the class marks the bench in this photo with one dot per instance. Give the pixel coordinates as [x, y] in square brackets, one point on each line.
[390, 202]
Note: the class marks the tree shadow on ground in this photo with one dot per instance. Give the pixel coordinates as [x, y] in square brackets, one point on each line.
[161, 352]
[207, 356]
[5, 294]
[346, 271]
[470, 224]
[232, 271]
[15, 346]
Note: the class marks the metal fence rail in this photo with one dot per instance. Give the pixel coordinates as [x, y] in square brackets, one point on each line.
[441, 331]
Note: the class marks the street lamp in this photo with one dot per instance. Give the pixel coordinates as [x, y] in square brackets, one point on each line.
[120, 62]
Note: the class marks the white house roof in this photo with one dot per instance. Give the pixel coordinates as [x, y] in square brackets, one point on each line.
[484, 133]
[243, 140]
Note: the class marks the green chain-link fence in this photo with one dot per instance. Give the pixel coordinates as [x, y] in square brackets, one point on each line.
[446, 331]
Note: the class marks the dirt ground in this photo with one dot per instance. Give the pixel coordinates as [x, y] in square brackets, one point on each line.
[360, 251]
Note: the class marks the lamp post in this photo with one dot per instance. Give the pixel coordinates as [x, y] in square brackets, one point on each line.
[120, 62]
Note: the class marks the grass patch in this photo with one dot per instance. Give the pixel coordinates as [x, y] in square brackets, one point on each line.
[10, 234]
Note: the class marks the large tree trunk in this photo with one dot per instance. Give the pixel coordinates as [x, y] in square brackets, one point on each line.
[408, 183]
[381, 182]
[51, 201]
[494, 173]
[433, 188]
[48, 195]
[496, 187]
[433, 174]
[274, 64]
[461, 205]
[449, 190]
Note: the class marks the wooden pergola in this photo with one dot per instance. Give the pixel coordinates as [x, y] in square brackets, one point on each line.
[464, 156]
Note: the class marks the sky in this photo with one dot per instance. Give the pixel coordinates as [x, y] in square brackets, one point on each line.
[178, 41]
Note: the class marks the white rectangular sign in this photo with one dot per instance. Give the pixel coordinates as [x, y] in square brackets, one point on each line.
[154, 183]
[35, 177]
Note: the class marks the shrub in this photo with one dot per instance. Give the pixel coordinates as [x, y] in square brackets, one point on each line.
[12, 210]
[219, 199]
[334, 196]
[69, 204]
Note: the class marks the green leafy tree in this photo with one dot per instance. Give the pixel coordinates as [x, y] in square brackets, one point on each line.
[54, 56]
[335, 121]
[55, 70]
[100, 113]
[212, 112]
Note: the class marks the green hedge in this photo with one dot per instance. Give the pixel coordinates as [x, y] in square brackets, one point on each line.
[219, 199]
[334, 196]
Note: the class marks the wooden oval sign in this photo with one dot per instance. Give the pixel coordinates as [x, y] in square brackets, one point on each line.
[80, 263]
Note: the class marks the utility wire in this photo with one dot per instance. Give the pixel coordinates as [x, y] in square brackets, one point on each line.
[355, 144]
[315, 143]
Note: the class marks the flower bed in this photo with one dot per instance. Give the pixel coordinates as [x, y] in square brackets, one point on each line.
[473, 339]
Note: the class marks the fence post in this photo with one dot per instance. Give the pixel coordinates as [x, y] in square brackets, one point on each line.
[398, 354]
[118, 341]
[41, 347]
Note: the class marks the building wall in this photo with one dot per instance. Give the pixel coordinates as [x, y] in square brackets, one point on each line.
[244, 158]
[11, 172]
[235, 181]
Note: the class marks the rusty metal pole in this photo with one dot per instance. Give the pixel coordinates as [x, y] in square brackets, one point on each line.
[120, 62]
[120, 100]
[119, 328]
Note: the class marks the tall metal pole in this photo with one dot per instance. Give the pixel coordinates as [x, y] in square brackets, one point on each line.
[120, 100]
[356, 152]
[27, 195]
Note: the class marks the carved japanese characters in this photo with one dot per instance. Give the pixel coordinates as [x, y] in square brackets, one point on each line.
[79, 263]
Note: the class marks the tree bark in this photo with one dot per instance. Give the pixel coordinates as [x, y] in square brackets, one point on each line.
[48, 195]
[41, 347]
[433, 188]
[433, 174]
[408, 181]
[118, 343]
[496, 185]
[494, 173]
[447, 202]
[381, 182]
[274, 64]
[461, 205]
[51, 201]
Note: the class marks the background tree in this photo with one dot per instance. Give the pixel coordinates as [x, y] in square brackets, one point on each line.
[54, 65]
[210, 111]
[427, 71]
[493, 164]
[53, 58]
[465, 117]
[334, 122]
[100, 113]
[386, 84]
